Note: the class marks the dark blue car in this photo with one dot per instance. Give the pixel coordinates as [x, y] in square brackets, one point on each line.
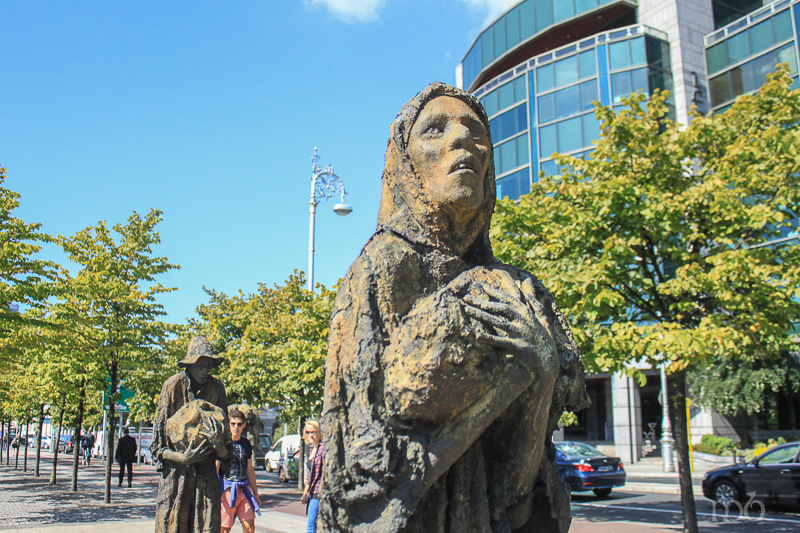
[773, 478]
[584, 468]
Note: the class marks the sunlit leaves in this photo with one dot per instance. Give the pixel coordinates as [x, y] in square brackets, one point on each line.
[275, 342]
[654, 245]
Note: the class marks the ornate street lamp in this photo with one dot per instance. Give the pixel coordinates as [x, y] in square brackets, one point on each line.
[324, 184]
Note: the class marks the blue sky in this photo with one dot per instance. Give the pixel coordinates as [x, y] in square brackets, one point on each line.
[210, 111]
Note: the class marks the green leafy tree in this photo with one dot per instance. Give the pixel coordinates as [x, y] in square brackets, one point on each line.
[655, 245]
[23, 279]
[275, 343]
[745, 387]
[111, 303]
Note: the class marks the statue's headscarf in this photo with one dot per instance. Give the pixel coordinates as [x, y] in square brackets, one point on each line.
[405, 207]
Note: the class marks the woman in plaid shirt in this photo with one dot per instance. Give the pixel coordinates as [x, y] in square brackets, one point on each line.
[313, 436]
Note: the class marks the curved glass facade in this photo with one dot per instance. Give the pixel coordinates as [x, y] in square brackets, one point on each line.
[519, 24]
[546, 105]
[740, 55]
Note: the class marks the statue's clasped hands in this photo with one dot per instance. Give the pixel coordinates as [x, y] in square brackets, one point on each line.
[516, 319]
[191, 455]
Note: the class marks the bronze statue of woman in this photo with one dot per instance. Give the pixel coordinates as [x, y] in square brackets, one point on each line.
[447, 370]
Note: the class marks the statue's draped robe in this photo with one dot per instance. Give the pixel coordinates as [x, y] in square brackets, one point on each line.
[426, 428]
[188, 498]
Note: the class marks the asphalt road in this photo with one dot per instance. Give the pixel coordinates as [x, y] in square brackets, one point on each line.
[665, 510]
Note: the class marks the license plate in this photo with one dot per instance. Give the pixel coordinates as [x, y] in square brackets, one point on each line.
[605, 469]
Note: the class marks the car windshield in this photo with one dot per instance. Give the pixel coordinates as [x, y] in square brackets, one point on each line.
[577, 449]
[779, 456]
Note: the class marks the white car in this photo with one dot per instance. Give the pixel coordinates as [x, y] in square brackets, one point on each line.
[280, 451]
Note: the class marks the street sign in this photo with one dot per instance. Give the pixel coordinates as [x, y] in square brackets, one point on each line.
[122, 405]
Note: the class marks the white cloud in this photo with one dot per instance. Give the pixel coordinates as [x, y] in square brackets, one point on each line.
[492, 8]
[351, 10]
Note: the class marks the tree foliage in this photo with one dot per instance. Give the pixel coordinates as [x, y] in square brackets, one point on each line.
[109, 308]
[737, 387]
[654, 244]
[666, 245]
[23, 279]
[275, 342]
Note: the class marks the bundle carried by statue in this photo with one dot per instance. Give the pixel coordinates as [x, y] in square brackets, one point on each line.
[196, 422]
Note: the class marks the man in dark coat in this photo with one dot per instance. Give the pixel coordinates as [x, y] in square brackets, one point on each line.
[126, 455]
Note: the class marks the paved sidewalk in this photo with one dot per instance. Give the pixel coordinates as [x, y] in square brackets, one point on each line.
[32, 505]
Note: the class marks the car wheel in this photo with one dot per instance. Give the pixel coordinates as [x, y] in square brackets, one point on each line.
[268, 466]
[282, 476]
[602, 493]
[725, 492]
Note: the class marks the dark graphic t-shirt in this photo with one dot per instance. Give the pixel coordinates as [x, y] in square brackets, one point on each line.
[242, 452]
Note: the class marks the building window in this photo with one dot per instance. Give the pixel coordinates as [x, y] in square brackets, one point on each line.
[514, 185]
[504, 96]
[509, 123]
[511, 154]
[749, 76]
[624, 54]
[751, 41]
[568, 135]
[566, 71]
[566, 102]
[625, 83]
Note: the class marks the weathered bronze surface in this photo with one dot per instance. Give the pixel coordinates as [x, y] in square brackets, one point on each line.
[447, 371]
[191, 434]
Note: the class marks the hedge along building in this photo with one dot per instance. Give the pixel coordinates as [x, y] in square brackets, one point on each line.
[537, 69]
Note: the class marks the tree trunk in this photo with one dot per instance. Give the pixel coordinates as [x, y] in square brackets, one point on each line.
[58, 440]
[112, 425]
[676, 383]
[25, 459]
[39, 440]
[756, 424]
[76, 441]
[301, 461]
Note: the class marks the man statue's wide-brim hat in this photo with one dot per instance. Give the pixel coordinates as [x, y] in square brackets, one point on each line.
[200, 347]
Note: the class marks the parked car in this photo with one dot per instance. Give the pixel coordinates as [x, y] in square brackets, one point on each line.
[66, 445]
[584, 468]
[280, 451]
[264, 444]
[774, 477]
[46, 442]
[287, 471]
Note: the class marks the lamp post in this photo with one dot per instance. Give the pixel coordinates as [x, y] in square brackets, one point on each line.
[324, 184]
[667, 442]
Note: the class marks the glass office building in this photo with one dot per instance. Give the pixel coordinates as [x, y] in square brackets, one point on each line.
[740, 55]
[539, 96]
[545, 105]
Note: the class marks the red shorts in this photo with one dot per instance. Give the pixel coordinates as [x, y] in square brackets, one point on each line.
[243, 509]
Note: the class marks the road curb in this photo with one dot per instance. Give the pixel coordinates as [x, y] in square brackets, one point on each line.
[659, 488]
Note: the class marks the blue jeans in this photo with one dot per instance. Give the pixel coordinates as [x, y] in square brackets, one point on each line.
[313, 511]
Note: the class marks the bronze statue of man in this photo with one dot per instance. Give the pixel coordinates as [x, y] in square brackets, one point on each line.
[447, 370]
[191, 434]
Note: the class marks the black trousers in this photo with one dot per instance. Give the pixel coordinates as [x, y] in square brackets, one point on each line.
[122, 466]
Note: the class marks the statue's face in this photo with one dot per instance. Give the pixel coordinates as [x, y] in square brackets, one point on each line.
[449, 149]
[200, 370]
